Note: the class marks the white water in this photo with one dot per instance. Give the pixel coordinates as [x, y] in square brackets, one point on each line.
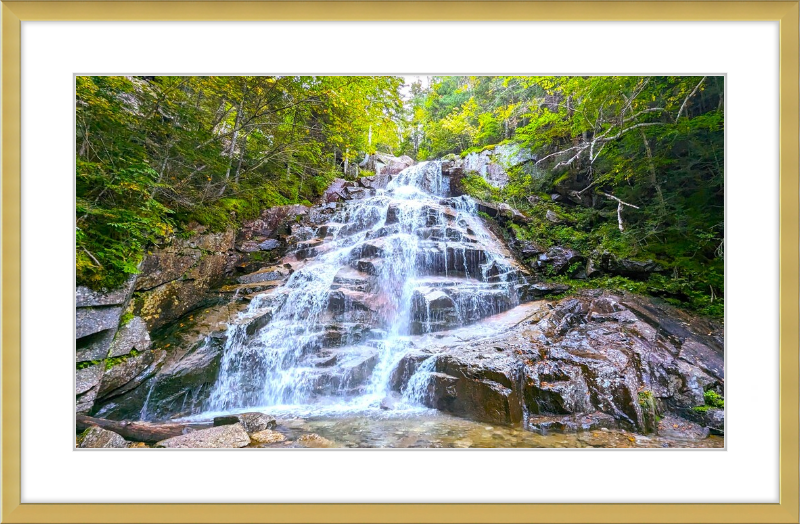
[422, 250]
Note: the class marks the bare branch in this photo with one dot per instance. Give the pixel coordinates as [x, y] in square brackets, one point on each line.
[680, 111]
[620, 203]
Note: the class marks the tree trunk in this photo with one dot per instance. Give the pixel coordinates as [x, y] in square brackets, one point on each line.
[653, 178]
[136, 431]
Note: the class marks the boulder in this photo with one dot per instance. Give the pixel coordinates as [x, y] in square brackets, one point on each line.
[87, 384]
[557, 260]
[596, 354]
[252, 422]
[272, 222]
[94, 347]
[335, 191]
[267, 436]
[129, 373]
[96, 437]
[91, 320]
[269, 244]
[266, 274]
[713, 419]
[133, 335]
[228, 436]
[87, 378]
[85, 297]
[542, 289]
[312, 440]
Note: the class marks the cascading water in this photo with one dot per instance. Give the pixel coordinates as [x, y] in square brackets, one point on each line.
[405, 261]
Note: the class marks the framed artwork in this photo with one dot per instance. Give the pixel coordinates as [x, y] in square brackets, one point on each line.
[400, 261]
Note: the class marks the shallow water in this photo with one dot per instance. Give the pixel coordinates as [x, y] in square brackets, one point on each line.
[428, 428]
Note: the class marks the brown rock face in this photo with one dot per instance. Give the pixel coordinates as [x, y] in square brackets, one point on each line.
[621, 356]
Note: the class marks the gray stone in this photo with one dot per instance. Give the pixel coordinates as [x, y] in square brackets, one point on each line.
[129, 373]
[312, 440]
[133, 335]
[85, 297]
[95, 437]
[552, 217]
[87, 378]
[269, 244]
[94, 347]
[91, 320]
[229, 436]
[252, 422]
[267, 274]
[267, 436]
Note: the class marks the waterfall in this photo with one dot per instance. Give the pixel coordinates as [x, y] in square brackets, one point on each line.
[399, 263]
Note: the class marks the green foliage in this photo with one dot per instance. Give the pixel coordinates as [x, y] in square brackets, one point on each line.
[476, 186]
[157, 153]
[654, 142]
[645, 398]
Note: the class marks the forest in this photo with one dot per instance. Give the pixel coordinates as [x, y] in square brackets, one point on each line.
[627, 165]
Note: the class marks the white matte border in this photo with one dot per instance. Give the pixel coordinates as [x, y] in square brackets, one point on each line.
[52, 471]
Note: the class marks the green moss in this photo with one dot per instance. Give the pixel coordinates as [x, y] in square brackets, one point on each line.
[87, 364]
[125, 318]
[714, 399]
[113, 361]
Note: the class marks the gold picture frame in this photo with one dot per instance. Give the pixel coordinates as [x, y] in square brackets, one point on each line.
[14, 12]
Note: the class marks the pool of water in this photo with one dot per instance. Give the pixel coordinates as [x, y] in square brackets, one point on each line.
[428, 428]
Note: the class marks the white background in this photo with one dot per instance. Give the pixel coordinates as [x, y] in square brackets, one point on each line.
[747, 471]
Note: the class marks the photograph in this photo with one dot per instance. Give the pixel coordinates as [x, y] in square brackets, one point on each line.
[408, 261]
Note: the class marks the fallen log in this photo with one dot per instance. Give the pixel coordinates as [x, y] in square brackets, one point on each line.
[136, 431]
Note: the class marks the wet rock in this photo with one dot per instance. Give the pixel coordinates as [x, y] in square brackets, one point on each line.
[266, 274]
[571, 423]
[596, 355]
[312, 440]
[543, 289]
[95, 437]
[369, 266]
[269, 244]
[675, 427]
[183, 381]
[228, 436]
[712, 419]
[252, 422]
[91, 320]
[129, 373]
[133, 335]
[267, 436]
